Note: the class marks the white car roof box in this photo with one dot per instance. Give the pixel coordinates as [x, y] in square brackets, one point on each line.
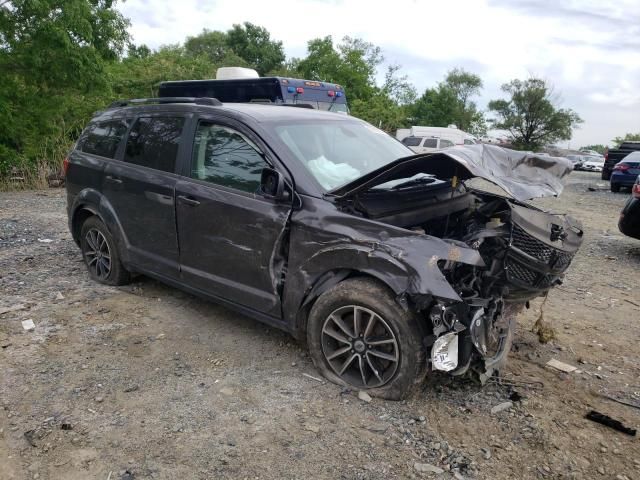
[234, 73]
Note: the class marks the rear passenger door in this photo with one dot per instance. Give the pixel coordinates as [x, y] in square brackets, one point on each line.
[141, 190]
[230, 235]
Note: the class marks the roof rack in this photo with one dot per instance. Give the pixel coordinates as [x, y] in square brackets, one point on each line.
[143, 101]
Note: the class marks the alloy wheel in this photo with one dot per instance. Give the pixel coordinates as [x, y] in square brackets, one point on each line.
[97, 254]
[360, 346]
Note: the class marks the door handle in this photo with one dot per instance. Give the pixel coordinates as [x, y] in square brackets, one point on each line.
[188, 201]
[111, 179]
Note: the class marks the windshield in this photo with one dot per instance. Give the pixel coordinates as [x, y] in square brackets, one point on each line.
[337, 152]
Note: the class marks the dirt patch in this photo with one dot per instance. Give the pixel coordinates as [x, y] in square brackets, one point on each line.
[148, 382]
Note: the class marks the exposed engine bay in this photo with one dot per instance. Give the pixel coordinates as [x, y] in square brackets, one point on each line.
[525, 252]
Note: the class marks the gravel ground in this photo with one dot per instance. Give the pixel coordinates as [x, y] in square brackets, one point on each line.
[147, 382]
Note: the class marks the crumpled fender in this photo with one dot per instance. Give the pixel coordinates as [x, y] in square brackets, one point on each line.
[405, 261]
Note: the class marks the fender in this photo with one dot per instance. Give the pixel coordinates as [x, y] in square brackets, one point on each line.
[94, 201]
[393, 263]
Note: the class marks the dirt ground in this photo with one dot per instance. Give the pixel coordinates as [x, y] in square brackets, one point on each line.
[145, 381]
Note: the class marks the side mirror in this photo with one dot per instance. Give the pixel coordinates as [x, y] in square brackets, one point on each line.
[272, 185]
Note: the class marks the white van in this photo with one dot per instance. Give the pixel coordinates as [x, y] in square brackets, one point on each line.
[426, 144]
[427, 139]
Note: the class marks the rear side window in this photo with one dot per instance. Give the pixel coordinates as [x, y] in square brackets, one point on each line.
[430, 143]
[468, 142]
[225, 157]
[411, 141]
[103, 138]
[153, 142]
[446, 143]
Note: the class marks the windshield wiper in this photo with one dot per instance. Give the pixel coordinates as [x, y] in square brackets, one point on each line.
[413, 182]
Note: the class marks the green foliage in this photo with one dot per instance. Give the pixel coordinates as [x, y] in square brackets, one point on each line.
[253, 44]
[530, 116]
[136, 77]
[61, 60]
[52, 53]
[596, 148]
[353, 65]
[246, 45]
[450, 103]
[629, 137]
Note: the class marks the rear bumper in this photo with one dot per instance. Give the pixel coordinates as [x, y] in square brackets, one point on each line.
[623, 179]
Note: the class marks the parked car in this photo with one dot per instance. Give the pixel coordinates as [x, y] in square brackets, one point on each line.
[625, 172]
[426, 144]
[629, 222]
[612, 157]
[590, 163]
[389, 264]
[450, 133]
[576, 160]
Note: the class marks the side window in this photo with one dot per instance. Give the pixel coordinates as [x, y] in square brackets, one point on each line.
[445, 143]
[225, 157]
[411, 141]
[468, 142]
[103, 138]
[430, 143]
[153, 142]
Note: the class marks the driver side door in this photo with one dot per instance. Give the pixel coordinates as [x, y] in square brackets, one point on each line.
[230, 235]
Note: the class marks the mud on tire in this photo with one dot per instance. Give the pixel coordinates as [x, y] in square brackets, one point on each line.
[395, 334]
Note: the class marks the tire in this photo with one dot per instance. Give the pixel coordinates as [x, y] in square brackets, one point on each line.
[105, 266]
[396, 333]
[605, 175]
[615, 187]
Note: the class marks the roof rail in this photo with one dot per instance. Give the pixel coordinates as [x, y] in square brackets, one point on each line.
[143, 101]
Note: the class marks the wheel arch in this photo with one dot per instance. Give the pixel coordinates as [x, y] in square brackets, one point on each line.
[90, 202]
[329, 279]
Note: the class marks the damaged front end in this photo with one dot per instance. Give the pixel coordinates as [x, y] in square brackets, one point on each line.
[525, 251]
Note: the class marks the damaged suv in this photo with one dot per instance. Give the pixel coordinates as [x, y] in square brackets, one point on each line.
[389, 264]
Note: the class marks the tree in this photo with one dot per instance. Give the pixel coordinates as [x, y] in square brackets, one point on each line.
[353, 64]
[60, 43]
[214, 45]
[53, 55]
[437, 107]
[531, 115]
[596, 148]
[253, 44]
[466, 85]
[629, 137]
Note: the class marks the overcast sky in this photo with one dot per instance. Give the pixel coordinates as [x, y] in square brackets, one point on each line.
[589, 50]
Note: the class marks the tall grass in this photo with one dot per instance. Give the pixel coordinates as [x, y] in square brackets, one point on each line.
[33, 173]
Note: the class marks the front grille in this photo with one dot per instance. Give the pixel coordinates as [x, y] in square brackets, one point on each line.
[530, 245]
[522, 271]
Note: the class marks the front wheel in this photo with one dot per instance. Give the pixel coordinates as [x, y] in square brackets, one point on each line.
[361, 338]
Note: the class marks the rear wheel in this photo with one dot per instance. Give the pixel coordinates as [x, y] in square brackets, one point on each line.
[100, 253]
[360, 337]
[605, 175]
[615, 187]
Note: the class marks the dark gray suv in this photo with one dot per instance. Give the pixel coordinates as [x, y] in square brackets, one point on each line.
[389, 264]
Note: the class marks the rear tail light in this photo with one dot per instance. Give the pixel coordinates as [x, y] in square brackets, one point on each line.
[299, 90]
[65, 166]
[635, 191]
[621, 167]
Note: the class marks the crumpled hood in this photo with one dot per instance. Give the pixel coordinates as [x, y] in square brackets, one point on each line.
[522, 175]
